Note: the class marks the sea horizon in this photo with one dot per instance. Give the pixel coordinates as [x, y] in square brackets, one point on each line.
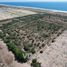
[41, 7]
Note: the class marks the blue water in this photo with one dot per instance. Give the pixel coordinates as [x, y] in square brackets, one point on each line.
[47, 5]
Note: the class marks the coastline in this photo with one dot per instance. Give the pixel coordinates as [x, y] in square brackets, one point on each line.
[45, 9]
[7, 12]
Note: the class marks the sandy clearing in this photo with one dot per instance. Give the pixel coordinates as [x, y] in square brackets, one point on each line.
[17, 64]
[7, 56]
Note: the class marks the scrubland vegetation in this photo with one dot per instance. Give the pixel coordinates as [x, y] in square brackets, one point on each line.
[26, 35]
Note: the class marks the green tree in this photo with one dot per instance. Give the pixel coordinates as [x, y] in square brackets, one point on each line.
[20, 55]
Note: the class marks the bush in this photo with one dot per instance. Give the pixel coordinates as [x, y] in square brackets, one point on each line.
[2, 34]
[19, 54]
[34, 60]
[35, 63]
[32, 51]
[29, 48]
[45, 35]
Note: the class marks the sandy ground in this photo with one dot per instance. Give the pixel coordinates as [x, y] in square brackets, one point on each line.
[16, 64]
[6, 13]
[56, 54]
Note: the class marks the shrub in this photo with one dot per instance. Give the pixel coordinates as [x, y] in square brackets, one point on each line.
[41, 51]
[35, 63]
[27, 47]
[34, 60]
[53, 40]
[19, 54]
[2, 34]
[32, 51]
[45, 35]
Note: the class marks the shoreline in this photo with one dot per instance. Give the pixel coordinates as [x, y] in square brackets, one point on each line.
[45, 9]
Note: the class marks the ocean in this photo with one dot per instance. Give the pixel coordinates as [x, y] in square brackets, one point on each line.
[62, 6]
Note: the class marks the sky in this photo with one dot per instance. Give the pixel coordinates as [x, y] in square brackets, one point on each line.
[32, 0]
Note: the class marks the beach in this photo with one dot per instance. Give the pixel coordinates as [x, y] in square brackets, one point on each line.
[11, 12]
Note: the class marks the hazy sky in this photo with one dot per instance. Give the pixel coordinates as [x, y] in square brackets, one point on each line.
[33, 0]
